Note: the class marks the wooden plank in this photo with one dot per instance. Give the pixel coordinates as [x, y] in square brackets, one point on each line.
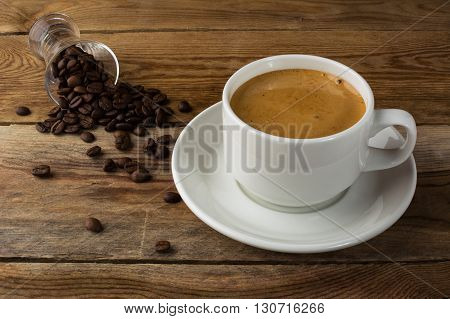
[429, 280]
[18, 16]
[410, 72]
[44, 218]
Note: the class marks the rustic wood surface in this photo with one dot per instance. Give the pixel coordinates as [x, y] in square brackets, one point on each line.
[189, 49]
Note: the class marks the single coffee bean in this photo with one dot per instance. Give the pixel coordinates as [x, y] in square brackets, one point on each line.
[94, 87]
[22, 110]
[160, 118]
[49, 122]
[93, 225]
[94, 151]
[87, 137]
[70, 118]
[104, 121]
[72, 129]
[120, 162]
[105, 103]
[161, 152]
[86, 122]
[140, 176]
[184, 107]
[149, 122]
[54, 111]
[164, 139]
[58, 127]
[162, 246]
[114, 113]
[124, 126]
[64, 91]
[109, 165]
[80, 89]
[150, 146]
[140, 131]
[87, 97]
[75, 102]
[111, 126]
[74, 80]
[172, 197]
[122, 140]
[160, 98]
[71, 63]
[62, 64]
[41, 171]
[131, 166]
[41, 128]
[133, 120]
[97, 113]
[63, 103]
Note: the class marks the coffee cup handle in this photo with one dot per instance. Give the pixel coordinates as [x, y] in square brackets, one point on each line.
[379, 159]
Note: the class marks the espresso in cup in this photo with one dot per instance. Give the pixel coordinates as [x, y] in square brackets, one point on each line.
[298, 103]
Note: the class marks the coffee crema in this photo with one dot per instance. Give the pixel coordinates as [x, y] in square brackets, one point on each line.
[298, 103]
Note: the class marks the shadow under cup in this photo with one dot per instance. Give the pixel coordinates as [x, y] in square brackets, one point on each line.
[295, 174]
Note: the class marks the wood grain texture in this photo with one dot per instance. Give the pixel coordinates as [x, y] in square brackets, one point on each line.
[44, 218]
[62, 280]
[18, 16]
[411, 71]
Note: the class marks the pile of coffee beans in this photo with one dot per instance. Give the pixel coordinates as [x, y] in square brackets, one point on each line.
[89, 97]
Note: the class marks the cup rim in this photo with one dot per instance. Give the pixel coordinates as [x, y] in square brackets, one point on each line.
[369, 104]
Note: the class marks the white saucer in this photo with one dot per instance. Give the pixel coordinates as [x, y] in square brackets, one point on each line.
[369, 207]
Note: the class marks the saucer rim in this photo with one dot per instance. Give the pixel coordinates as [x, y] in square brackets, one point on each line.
[271, 244]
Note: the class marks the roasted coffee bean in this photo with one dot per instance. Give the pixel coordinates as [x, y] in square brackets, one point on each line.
[93, 76]
[63, 104]
[22, 110]
[75, 102]
[150, 146]
[70, 118]
[184, 107]
[94, 151]
[71, 63]
[111, 126]
[123, 141]
[80, 89]
[86, 122]
[54, 111]
[87, 137]
[70, 96]
[120, 162]
[112, 113]
[162, 246]
[62, 72]
[133, 120]
[160, 98]
[93, 225]
[87, 97]
[172, 197]
[149, 122]
[60, 115]
[74, 80]
[49, 122]
[94, 87]
[105, 103]
[41, 128]
[97, 113]
[64, 91]
[120, 117]
[109, 165]
[140, 176]
[160, 118]
[41, 171]
[72, 129]
[161, 152]
[62, 64]
[140, 131]
[85, 109]
[131, 166]
[73, 50]
[104, 121]
[124, 126]
[58, 127]
[164, 139]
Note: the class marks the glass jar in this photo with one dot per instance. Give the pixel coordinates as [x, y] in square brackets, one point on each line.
[53, 33]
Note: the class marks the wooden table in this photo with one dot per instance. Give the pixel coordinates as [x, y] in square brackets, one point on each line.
[189, 49]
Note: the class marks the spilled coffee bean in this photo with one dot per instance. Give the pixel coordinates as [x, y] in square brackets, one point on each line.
[131, 166]
[122, 140]
[109, 166]
[94, 151]
[87, 137]
[161, 152]
[41, 128]
[93, 224]
[164, 139]
[41, 171]
[140, 175]
[22, 111]
[184, 107]
[172, 197]
[162, 246]
[122, 161]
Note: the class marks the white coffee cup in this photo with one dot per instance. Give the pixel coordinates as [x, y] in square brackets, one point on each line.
[323, 167]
